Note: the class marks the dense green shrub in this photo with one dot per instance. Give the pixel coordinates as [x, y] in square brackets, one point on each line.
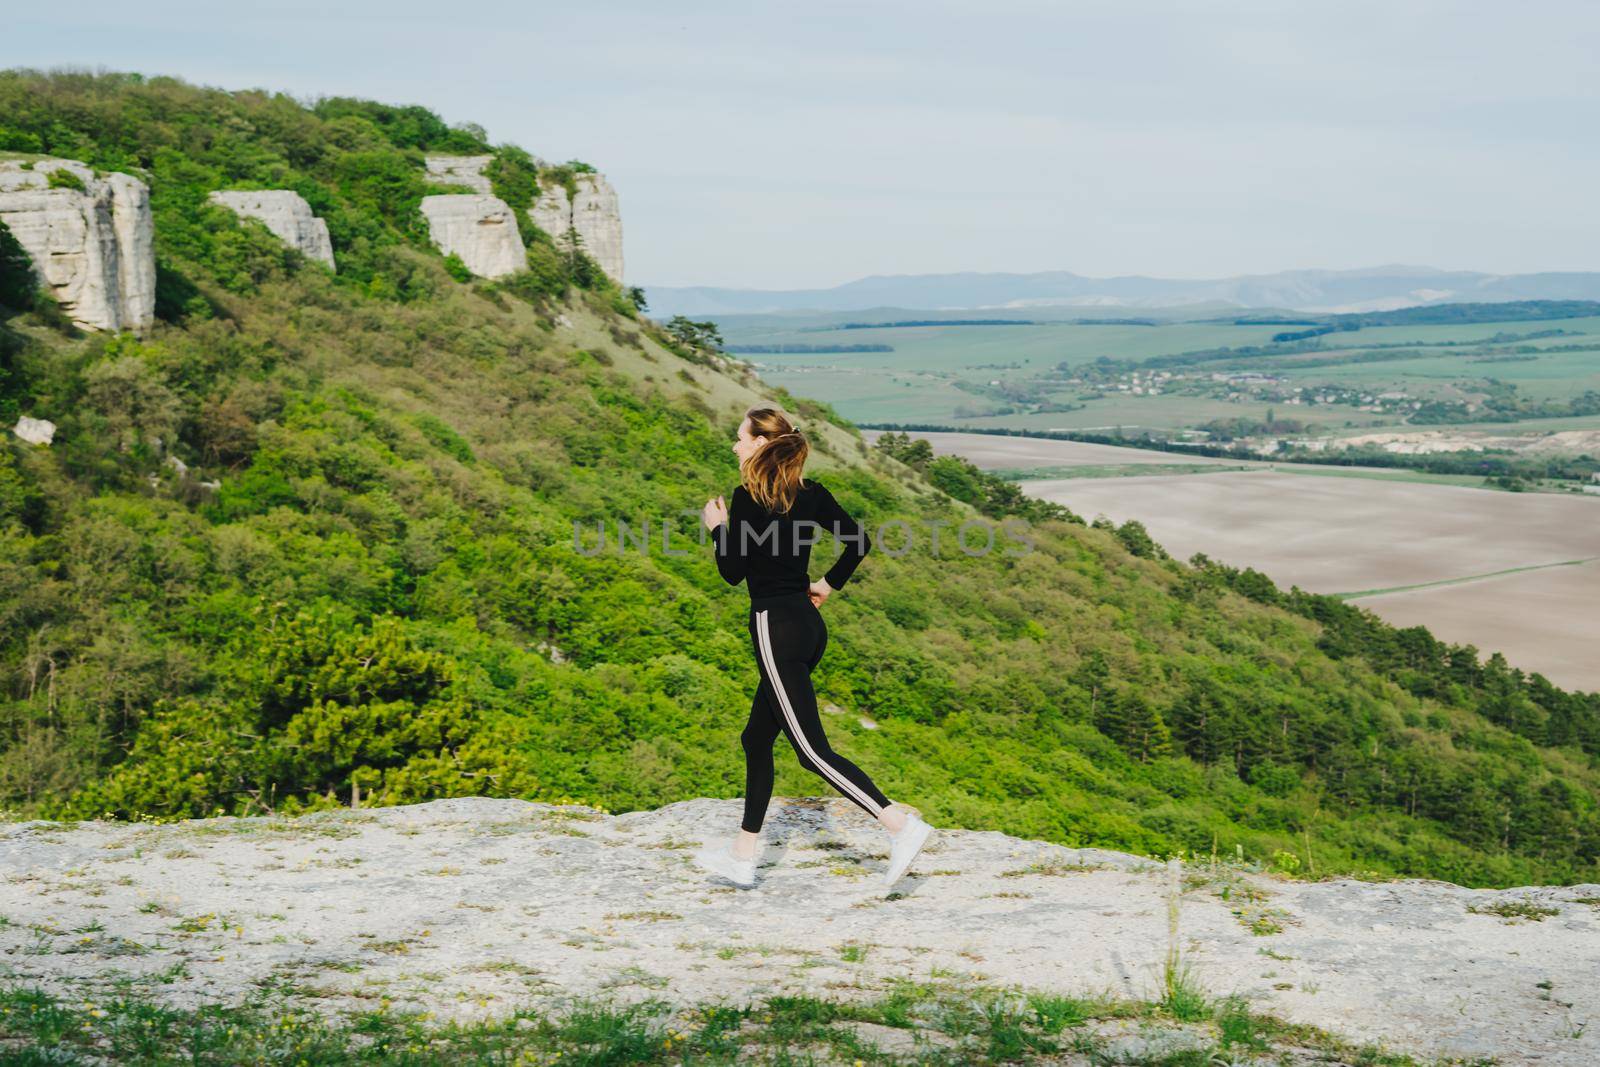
[62, 178]
[514, 177]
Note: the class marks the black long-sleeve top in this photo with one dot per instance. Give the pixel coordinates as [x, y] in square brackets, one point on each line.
[770, 553]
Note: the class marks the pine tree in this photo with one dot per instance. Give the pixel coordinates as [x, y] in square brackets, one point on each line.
[1128, 718]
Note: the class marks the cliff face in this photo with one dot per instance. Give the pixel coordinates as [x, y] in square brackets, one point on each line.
[287, 215]
[552, 213]
[479, 229]
[592, 213]
[93, 247]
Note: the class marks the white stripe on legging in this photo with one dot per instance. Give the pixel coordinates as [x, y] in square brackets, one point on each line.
[832, 773]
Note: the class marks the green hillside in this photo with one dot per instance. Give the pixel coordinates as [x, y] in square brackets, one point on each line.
[383, 596]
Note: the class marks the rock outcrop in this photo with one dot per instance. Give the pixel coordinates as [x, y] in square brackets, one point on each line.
[460, 170]
[35, 431]
[588, 212]
[286, 213]
[591, 213]
[480, 229]
[92, 247]
[473, 907]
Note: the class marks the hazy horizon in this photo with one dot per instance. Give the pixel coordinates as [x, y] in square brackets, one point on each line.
[1427, 267]
[783, 149]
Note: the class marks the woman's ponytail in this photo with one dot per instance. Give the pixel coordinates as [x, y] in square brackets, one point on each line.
[772, 474]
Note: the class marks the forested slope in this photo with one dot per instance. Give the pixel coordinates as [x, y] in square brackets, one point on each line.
[383, 595]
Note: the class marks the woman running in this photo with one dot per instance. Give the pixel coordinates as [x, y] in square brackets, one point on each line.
[765, 541]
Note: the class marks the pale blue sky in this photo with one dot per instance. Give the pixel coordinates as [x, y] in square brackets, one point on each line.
[790, 145]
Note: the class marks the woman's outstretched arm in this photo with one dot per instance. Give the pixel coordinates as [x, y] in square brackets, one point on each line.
[850, 533]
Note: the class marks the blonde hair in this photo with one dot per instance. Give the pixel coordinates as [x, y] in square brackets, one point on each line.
[772, 473]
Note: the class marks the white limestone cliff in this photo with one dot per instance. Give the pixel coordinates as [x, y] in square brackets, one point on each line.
[591, 212]
[135, 230]
[92, 248]
[597, 218]
[480, 229]
[552, 212]
[286, 214]
[460, 170]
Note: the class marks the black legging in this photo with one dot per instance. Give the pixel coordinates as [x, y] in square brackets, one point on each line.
[789, 635]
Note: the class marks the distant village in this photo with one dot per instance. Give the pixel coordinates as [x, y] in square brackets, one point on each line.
[1250, 386]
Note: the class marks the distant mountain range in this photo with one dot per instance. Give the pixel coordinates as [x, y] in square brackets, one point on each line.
[1367, 289]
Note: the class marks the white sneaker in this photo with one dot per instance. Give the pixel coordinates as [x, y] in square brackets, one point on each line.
[721, 861]
[906, 844]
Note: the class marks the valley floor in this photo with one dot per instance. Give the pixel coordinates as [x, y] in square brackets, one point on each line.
[469, 908]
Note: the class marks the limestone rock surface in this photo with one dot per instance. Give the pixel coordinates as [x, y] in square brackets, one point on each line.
[591, 212]
[480, 229]
[472, 907]
[93, 247]
[35, 431]
[286, 213]
[460, 170]
[552, 212]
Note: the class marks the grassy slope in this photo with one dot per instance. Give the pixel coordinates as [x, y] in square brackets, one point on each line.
[365, 601]
[941, 1023]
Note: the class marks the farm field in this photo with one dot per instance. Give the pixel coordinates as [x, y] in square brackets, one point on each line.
[964, 348]
[1549, 375]
[1016, 375]
[1347, 535]
[1338, 535]
[1165, 414]
[1037, 458]
[896, 397]
[997, 452]
[1522, 426]
[1547, 615]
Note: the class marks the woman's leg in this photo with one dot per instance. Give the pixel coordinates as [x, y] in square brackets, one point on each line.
[786, 648]
[759, 734]
[894, 816]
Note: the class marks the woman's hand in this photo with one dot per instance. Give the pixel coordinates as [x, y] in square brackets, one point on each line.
[715, 513]
[819, 591]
